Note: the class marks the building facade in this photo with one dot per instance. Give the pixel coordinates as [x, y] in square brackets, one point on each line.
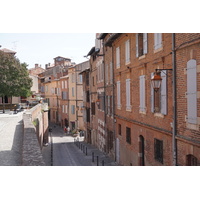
[188, 98]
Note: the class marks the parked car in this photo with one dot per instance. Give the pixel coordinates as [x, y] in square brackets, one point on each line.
[17, 108]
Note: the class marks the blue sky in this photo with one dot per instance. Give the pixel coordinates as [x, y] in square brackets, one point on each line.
[41, 48]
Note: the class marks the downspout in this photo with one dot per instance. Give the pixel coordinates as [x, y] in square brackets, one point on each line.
[113, 103]
[174, 144]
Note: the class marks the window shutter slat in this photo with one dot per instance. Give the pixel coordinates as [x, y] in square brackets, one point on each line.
[137, 54]
[145, 47]
[191, 91]
[128, 93]
[164, 92]
[118, 94]
[152, 96]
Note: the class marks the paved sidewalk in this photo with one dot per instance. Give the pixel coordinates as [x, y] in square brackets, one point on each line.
[11, 139]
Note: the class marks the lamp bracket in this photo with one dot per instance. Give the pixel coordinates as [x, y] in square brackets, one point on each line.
[159, 70]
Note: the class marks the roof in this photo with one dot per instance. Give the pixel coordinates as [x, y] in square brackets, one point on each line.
[87, 69]
[8, 51]
[112, 38]
[102, 35]
[62, 57]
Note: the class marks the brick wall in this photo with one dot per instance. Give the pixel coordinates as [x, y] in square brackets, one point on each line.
[188, 135]
[34, 136]
[149, 125]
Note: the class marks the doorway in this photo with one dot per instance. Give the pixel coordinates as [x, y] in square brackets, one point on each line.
[141, 151]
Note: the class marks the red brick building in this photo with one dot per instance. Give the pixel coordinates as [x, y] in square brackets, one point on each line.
[143, 117]
[187, 49]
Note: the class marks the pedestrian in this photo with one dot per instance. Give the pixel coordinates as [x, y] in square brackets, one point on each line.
[68, 130]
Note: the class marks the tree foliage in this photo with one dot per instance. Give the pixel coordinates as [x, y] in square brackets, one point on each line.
[14, 77]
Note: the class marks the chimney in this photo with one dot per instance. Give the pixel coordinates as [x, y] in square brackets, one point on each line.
[46, 66]
[36, 65]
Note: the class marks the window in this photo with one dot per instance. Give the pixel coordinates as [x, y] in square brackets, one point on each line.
[106, 74]
[127, 51]
[141, 44]
[62, 84]
[117, 57]
[80, 78]
[93, 108]
[118, 95]
[159, 98]
[66, 108]
[192, 91]
[111, 73]
[128, 135]
[119, 129]
[142, 94]
[87, 114]
[73, 109]
[63, 108]
[73, 91]
[87, 96]
[64, 95]
[93, 80]
[158, 150]
[128, 102]
[65, 86]
[157, 40]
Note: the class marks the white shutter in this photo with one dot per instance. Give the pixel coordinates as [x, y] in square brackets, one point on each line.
[118, 94]
[142, 93]
[127, 50]
[152, 96]
[117, 57]
[192, 91]
[145, 47]
[128, 93]
[106, 74]
[155, 40]
[164, 92]
[137, 49]
[159, 40]
[111, 73]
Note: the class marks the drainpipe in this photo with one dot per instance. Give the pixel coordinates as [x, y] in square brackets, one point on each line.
[113, 104]
[174, 145]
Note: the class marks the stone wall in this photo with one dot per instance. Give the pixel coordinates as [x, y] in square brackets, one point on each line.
[35, 131]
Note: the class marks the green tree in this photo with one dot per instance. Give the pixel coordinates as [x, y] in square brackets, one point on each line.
[14, 77]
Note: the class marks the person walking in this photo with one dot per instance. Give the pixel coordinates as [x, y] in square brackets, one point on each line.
[68, 130]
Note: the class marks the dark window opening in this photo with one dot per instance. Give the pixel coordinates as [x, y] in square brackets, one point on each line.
[128, 135]
[119, 129]
[158, 150]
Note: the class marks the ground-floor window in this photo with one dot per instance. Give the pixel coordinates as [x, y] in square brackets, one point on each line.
[158, 150]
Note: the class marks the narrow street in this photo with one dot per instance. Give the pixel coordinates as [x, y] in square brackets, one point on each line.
[67, 153]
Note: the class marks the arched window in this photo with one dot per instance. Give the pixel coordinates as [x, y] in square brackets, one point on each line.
[141, 151]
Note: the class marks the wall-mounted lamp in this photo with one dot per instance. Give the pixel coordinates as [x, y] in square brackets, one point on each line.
[156, 80]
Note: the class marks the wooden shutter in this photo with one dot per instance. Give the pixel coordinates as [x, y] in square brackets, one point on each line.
[111, 72]
[118, 94]
[145, 47]
[128, 93]
[117, 57]
[152, 96]
[137, 49]
[142, 93]
[191, 91]
[127, 49]
[164, 92]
